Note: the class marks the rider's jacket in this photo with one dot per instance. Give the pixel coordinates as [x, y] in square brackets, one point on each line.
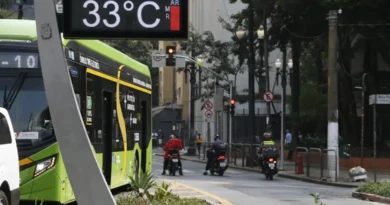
[174, 143]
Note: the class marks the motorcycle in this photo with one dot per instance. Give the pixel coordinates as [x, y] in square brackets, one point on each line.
[219, 166]
[270, 168]
[173, 165]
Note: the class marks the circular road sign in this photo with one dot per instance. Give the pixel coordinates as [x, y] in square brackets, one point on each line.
[268, 96]
[208, 105]
[208, 114]
[157, 57]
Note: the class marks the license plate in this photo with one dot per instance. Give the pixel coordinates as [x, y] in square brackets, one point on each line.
[175, 160]
[222, 164]
[271, 165]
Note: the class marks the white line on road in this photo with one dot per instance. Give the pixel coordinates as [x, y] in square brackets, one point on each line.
[184, 171]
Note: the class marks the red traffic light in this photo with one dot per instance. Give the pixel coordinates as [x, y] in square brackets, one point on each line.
[232, 102]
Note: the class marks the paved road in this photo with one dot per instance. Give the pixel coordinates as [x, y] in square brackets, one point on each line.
[245, 188]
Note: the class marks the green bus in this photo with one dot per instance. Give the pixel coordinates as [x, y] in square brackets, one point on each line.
[113, 92]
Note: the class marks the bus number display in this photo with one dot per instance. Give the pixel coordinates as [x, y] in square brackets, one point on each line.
[19, 60]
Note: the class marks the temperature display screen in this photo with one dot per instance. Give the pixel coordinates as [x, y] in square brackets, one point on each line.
[137, 19]
[19, 60]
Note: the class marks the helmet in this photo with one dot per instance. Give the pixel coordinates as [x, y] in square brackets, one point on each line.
[172, 136]
[267, 136]
[217, 137]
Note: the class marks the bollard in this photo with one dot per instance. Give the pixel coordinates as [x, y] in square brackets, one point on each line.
[299, 164]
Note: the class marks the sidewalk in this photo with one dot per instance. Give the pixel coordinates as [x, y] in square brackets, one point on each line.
[289, 172]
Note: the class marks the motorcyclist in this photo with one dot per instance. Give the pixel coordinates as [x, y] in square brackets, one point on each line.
[172, 144]
[268, 147]
[212, 153]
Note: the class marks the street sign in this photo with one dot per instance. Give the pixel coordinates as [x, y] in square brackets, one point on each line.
[181, 62]
[208, 113]
[158, 59]
[268, 96]
[208, 105]
[135, 19]
[381, 99]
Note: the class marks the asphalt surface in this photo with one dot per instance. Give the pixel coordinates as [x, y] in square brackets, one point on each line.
[245, 188]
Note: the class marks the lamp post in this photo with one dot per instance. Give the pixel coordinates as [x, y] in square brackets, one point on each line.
[260, 37]
[241, 34]
[284, 73]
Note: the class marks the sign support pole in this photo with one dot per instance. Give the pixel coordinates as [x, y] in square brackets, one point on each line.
[76, 150]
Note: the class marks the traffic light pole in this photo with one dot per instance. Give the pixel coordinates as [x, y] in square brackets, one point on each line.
[222, 78]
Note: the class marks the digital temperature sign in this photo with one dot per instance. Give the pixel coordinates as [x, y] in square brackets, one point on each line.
[134, 19]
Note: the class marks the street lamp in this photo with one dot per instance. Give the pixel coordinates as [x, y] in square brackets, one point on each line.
[283, 74]
[260, 33]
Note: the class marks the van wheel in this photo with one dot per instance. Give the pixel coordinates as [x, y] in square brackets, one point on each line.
[3, 198]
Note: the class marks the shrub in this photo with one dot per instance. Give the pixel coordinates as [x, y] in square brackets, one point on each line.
[379, 188]
[317, 199]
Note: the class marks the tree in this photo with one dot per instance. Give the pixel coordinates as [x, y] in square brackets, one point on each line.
[217, 54]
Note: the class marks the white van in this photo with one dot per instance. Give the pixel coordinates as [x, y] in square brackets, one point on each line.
[9, 162]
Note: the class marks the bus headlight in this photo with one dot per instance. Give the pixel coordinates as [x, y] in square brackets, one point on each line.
[44, 165]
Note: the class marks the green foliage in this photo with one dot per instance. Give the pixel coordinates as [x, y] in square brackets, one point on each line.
[379, 188]
[162, 191]
[317, 199]
[6, 14]
[141, 184]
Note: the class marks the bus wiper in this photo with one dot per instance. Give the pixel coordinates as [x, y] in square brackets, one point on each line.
[14, 91]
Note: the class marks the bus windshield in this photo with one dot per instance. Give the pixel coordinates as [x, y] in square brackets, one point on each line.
[29, 114]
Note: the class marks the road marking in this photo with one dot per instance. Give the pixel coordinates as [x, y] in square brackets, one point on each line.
[184, 171]
[227, 171]
[222, 201]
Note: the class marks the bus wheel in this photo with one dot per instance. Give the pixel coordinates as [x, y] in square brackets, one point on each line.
[3, 198]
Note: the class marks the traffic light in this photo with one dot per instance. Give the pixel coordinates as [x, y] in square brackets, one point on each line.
[171, 59]
[232, 106]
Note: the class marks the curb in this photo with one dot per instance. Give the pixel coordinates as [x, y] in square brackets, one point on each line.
[370, 197]
[287, 176]
[314, 181]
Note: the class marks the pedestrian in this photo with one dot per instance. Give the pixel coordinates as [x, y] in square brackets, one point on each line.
[154, 140]
[288, 143]
[199, 142]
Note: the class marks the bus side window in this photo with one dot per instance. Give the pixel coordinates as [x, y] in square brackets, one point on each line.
[5, 135]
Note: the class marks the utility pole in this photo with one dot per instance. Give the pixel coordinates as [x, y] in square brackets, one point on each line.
[266, 63]
[333, 125]
[251, 74]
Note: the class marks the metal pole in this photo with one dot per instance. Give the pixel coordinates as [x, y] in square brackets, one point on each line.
[191, 148]
[284, 84]
[374, 126]
[282, 136]
[251, 74]
[362, 134]
[266, 62]
[333, 126]
[230, 120]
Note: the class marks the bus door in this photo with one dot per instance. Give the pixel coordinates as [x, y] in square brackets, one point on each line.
[107, 134]
[144, 131]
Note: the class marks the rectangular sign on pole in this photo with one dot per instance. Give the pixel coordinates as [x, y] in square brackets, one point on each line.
[134, 19]
[158, 59]
[180, 61]
[379, 99]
